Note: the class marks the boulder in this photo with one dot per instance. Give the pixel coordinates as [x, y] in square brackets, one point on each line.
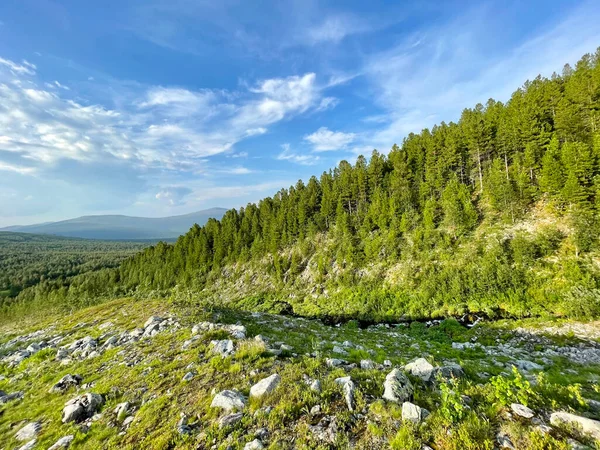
[397, 387]
[367, 364]
[82, 407]
[121, 411]
[29, 431]
[504, 441]
[586, 426]
[223, 348]
[229, 400]
[29, 446]
[5, 398]
[63, 442]
[348, 388]
[230, 419]
[265, 386]
[153, 320]
[451, 370]
[333, 362]
[522, 410]
[420, 368]
[254, 445]
[66, 382]
[413, 413]
[315, 386]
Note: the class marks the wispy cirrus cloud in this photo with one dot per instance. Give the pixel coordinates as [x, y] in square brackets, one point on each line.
[288, 155]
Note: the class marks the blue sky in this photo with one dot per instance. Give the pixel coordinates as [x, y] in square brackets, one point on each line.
[162, 107]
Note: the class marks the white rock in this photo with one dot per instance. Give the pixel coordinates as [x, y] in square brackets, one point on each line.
[63, 442]
[254, 445]
[29, 446]
[188, 376]
[367, 364]
[82, 407]
[413, 413]
[230, 419]
[348, 388]
[265, 386]
[223, 348]
[397, 387]
[153, 320]
[420, 368]
[587, 426]
[29, 431]
[315, 386]
[229, 400]
[522, 410]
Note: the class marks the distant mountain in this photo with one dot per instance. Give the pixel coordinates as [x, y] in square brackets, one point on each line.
[117, 227]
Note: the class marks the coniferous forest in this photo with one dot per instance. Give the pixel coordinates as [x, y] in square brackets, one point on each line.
[496, 214]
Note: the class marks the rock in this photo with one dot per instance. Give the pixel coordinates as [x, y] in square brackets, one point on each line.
[153, 320]
[254, 445]
[522, 410]
[188, 377]
[315, 386]
[413, 413]
[265, 386]
[128, 420]
[236, 331]
[332, 362]
[29, 446]
[348, 388]
[315, 410]
[286, 348]
[587, 426]
[223, 348]
[326, 430]
[504, 441]
[450, 371]
[387, 363]
[121, 411]
[339, 350]
[63, 442]
[62, 354]
[33, 348]
[526, 365]
[82, 407]
[5, 398]
[229, 400]
[367, 364]
[66, 382]
[230, 419]
[575, 445]
[397, 387]
[29, 431]
[420, 368]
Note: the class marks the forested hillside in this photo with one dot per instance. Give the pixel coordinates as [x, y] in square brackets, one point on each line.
[496, 213]
[26, 259]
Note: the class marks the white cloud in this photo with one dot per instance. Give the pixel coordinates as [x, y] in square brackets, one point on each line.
[26, 68]
[173, 195]
[335, 29]
[288, 155]
[326, 140]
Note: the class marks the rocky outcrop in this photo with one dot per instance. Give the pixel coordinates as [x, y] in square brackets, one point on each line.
[82, 407]
[587, 426]
[397, 387]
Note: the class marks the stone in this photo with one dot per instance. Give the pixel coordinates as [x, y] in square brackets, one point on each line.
[29, 431]
[265, 386]
[452, 370]
[182, 424]
[153, 320]
[315, 410]
[397, 387]
[326, 430]
[367, 364]
[333, 362]
[254, 445]
[504, 441]
[33, 348]
[586, 426]
[223, 348]
[420, 368]
[188, 377]
[315, 386]
[339, 350]
[413, 413]
[387, 363]
[526, 365]
[348, 388]
[10, 397]
[121, 411]
[230, 419]
[66, 382]
[82, 407]
[62, 354]
[229, 400]
[63, 442]
[522, 410]
[28, 446]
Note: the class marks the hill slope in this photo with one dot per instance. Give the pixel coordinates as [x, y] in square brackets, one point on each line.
[118, 227]
[495, 214]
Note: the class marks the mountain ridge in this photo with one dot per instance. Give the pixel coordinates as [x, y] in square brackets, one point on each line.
[119, 226]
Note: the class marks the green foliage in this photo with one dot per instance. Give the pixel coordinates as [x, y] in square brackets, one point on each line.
[406, 438]
[452, 408]
[514, 389]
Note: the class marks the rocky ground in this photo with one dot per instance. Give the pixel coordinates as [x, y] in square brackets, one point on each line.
[146, 374]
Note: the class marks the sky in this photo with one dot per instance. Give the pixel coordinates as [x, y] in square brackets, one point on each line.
[164, 107]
